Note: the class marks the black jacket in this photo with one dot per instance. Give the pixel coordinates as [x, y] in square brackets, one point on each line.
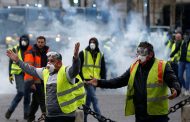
[94, 55]
[140, 93]
[178, 45]
[183, 50]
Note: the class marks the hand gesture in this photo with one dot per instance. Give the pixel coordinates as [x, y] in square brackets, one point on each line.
[173, 94]
[11, 79]
[12, 55]
[93, 82]
[76, 50]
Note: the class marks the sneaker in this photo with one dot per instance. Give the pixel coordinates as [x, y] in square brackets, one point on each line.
[186, 93]
[8, 114]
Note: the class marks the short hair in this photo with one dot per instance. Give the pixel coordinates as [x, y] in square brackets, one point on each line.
[147, 45]
[41, 37]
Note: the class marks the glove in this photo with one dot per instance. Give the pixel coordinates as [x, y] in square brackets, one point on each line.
[173, 94]
[11, 79]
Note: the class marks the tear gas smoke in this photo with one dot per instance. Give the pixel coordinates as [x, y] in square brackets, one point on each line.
[117, 42]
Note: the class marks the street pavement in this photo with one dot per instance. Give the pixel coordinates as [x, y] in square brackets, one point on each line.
[111, 105]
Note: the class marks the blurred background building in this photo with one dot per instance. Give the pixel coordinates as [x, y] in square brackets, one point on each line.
[160, 12]
[170, 14]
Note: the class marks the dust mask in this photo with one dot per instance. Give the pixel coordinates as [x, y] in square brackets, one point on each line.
[92, 46]
[141, 58]
[50, 67]
[23, 43]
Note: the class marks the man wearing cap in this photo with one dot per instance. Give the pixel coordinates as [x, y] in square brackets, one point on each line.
[64, 91]
[148, 80]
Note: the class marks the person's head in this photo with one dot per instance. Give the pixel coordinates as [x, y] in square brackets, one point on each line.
[24, 42]
[178, 37]
[41, 42]
[54, 61]
[145, 52]
[93, 43]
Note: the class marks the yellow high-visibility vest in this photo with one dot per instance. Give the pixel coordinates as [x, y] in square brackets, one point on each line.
[188, 51]
[176, 57]
[15, 69]
[157, 90]
[69, 96]
[91, 68]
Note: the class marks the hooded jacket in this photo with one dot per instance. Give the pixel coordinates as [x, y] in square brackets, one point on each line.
[94, 55]
[24, 49]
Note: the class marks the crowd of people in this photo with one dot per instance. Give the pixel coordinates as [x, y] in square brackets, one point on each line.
[59, 90]
[179, 46]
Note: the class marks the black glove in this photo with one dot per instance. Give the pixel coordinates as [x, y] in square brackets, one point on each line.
[11, 79]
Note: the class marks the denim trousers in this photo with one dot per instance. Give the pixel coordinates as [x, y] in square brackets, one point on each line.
[184, 66]
[91, 98]
[21, 87]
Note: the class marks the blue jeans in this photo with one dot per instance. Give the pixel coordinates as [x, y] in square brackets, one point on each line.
[184, 66]
[20, 86]
[91, 98]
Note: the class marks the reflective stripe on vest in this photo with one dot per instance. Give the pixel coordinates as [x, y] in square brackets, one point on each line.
[177, 55]
[188, 53]
[15, 69]
[70, 96]
[157, 90]
[169, 45]
[91, 68]
[28, 59]
[34, 60]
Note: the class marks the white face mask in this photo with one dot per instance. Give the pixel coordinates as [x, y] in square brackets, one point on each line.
[23, 43]
[50, 67]
[92, 46]
[142, 59]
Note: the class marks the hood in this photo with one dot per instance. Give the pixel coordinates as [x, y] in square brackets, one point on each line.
[96, 43]
[26, 39]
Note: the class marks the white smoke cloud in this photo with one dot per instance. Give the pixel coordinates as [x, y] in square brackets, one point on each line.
[117, 40]
[6, 87]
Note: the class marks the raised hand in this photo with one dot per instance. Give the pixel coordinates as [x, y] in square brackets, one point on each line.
[76, 50]
[12, 55]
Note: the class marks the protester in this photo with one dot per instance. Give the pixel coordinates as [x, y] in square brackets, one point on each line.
[184, 64]
[148, 80]
[37, 57]
[14, 70]
[175, 53]
[92, 66]
[64, 91]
